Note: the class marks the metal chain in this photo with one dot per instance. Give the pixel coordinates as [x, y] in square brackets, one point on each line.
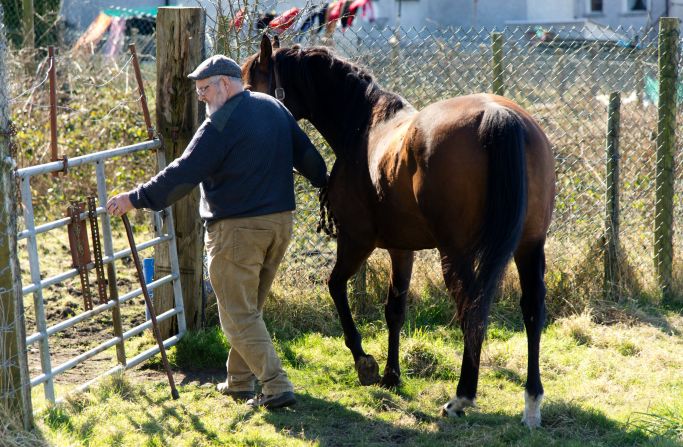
[10, 134]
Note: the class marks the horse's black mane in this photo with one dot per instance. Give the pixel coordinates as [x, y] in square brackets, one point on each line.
[365, 102]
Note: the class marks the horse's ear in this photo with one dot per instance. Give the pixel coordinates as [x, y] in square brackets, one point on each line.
[266, 52]
[276, 42]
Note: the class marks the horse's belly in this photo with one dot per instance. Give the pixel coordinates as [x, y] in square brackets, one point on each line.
[403, 231]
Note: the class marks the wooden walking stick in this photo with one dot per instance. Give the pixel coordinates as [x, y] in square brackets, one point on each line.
[150, 305]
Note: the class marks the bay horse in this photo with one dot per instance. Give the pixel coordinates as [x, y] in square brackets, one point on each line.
[472, 176]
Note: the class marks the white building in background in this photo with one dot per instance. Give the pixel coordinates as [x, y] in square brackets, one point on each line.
[498, 13]
[437, 13]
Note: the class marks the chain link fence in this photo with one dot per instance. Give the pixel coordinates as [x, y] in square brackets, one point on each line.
[564, 77]
[42, 16]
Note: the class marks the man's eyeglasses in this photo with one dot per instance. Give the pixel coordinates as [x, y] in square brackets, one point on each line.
[201, 90]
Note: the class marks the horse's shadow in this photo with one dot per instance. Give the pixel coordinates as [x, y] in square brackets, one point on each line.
[331, 423]
[390, 418]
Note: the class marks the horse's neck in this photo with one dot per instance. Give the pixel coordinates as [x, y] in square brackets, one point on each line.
[347, 129]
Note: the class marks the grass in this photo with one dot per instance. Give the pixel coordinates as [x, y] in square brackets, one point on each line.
[606, 385]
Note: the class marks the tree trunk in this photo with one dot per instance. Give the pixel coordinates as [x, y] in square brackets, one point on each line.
[180, 48]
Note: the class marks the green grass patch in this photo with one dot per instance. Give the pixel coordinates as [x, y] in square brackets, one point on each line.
[207, 348]
[622, 387]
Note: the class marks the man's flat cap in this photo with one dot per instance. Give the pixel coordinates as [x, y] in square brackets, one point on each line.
[216, 65]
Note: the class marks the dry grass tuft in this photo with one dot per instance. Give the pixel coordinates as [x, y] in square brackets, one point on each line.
[12, 433]
[578, 329]
[420, 361]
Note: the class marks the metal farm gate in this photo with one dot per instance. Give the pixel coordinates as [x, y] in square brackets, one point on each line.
[162, 221]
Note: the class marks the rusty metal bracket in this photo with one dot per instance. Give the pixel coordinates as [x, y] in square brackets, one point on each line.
[97, 250]
[80, 250]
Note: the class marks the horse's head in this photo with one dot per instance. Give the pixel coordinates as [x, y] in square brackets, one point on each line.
[260, 74]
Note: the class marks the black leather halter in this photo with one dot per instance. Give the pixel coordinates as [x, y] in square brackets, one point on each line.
[279, 91]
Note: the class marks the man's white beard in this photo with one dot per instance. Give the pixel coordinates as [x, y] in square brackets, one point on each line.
[210, 109]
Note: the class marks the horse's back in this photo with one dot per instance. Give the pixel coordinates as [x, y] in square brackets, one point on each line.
[429, 169]
[450, 170]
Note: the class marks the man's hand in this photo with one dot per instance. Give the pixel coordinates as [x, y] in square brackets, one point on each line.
[119, 204]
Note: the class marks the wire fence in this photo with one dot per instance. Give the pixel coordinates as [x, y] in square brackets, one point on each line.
[14, 398]
[564, 76]
[39, 25]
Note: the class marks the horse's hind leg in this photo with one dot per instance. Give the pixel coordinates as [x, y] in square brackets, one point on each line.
[350, 255]
[395, 311]
[458, 272]
[530, 260]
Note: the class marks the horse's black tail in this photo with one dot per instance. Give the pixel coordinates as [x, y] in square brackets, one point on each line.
[503, 136]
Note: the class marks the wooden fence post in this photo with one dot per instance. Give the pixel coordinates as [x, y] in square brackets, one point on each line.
[666, 141]
[498, 63]
[180, 48]
[15, 391]
[612, 246]
[27, 28]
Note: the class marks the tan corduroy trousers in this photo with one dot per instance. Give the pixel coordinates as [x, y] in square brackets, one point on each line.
[243, 255]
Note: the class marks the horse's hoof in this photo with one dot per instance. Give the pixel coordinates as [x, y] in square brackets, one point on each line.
[532, 411]
[456, 407]
[391, 378]
[368, 370]
[445, 414]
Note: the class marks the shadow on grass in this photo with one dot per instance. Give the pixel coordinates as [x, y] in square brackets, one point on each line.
[395, 423]
[201, 376]
[172, 416]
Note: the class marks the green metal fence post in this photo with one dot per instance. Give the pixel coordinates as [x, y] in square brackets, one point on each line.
[612, 277]
[498, 63]
[666, 139]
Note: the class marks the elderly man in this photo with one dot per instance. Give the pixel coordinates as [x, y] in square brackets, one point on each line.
[242, 157]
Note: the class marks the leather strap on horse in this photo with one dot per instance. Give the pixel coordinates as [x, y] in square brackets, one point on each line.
[327, 222]
[279, 91]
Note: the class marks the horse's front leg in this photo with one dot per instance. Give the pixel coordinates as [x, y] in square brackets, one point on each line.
[350, 256]
[395, 311]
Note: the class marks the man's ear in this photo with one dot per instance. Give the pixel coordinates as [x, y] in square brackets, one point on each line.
[266, 53]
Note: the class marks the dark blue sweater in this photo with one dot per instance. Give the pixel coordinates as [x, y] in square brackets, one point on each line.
[242, 158]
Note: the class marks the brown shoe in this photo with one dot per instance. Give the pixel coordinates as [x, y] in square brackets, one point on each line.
[271, 401]
[238, 396]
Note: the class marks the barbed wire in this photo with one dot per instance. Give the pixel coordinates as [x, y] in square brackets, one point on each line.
[35, 87]
[115, 76]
